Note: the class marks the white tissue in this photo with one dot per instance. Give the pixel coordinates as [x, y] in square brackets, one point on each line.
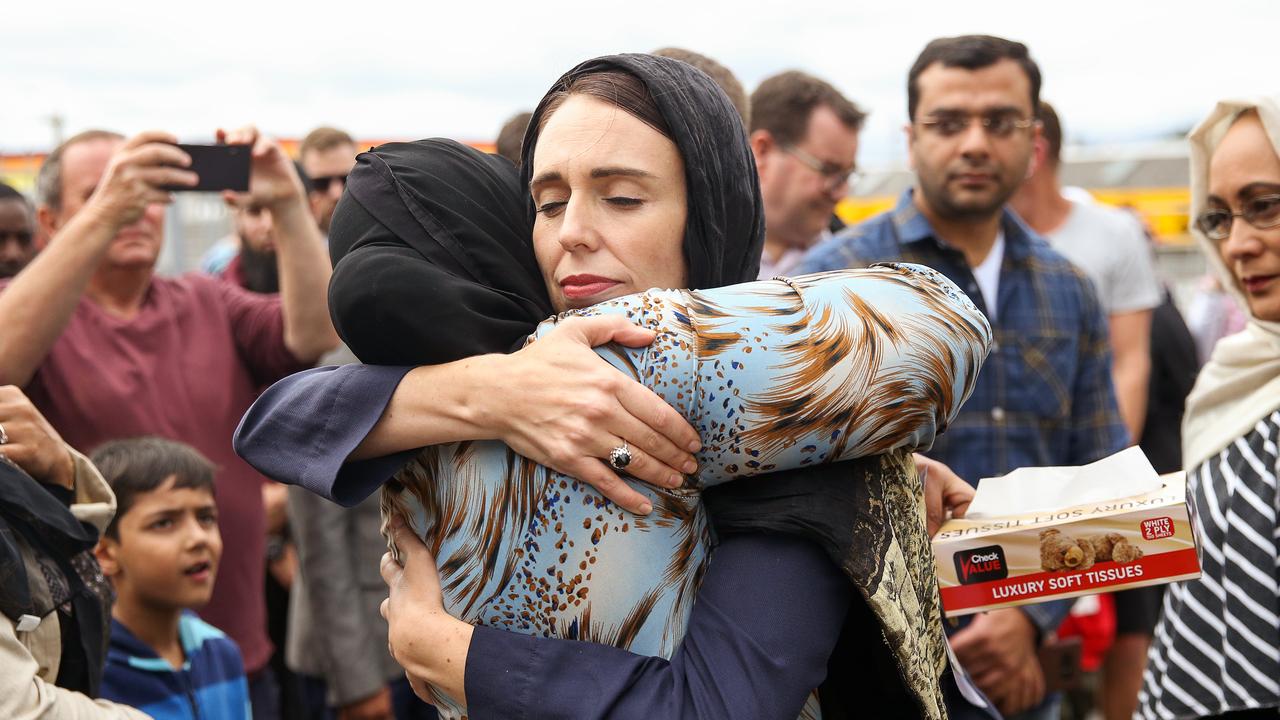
[1038, 489]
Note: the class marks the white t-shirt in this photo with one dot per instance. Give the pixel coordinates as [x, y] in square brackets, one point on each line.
[987, 275]
[1111, 248]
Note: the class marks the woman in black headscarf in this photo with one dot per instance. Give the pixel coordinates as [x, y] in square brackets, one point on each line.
[820, 503]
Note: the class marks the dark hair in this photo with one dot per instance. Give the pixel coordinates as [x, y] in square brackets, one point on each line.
[971, 52]
[782, 105]
[140, 465]
[1051, 131]
[615, 87]
[722, 76]
[49, 178]
[510, 136]
[8, 192]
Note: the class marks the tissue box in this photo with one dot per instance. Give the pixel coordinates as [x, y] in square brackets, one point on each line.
[1100, 545]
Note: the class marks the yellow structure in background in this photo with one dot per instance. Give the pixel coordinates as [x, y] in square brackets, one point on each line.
[1164, 210]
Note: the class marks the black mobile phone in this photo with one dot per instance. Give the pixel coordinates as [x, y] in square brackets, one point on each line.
[218, 167]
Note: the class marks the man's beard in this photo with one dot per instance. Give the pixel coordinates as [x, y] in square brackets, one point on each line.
[259, 271]
[9, 269]
[944, 203]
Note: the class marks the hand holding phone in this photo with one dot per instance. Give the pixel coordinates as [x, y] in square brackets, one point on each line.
[273, 181]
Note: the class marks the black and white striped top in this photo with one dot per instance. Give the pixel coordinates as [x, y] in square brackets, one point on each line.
[1217, 647]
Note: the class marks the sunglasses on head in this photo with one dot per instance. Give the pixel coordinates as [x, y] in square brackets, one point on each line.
[322, 184]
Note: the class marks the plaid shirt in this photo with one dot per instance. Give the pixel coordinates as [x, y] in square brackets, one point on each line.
[1044, 395]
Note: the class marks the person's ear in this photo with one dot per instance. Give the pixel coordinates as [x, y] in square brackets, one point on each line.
[762, 143]
[1039, 156]
[106, 551]
[47, 220]
[1040, 149]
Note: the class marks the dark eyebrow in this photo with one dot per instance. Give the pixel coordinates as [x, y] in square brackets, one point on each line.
[546, 177]
[1254, 188]
[603, 172]
[1002, 109]
[596, 174]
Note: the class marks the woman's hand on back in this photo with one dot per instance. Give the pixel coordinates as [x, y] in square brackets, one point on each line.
[560, 404]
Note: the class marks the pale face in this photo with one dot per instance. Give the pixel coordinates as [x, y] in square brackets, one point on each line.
[799, 200]
[611, 199]
[973, 173]
[336, 161]
[1245, 167]
[83, 165]
[168, 548]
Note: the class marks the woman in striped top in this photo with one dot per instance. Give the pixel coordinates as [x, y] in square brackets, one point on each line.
[1216, 651]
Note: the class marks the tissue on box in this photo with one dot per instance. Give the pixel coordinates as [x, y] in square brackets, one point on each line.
[1042, 534]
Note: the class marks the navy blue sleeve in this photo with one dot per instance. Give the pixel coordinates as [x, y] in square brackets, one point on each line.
[301, 430]
[765, 620]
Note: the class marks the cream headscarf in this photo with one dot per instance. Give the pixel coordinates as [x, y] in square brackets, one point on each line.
[1241, 383]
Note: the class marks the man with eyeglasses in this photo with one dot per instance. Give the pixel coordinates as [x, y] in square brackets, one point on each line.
[17, 231]
[327, 155]
[804, 135]
[1044, 396]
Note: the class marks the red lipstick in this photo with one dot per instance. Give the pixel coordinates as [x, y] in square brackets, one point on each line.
[579, 287]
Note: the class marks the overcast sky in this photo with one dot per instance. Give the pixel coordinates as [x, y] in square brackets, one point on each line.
[1116, 70]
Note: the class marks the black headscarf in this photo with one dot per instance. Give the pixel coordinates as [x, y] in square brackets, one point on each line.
[432, 257]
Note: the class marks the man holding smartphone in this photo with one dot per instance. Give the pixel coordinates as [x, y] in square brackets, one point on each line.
[106, 349]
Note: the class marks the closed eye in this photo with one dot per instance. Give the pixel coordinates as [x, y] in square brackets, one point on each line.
[551, 209]
[623, 201]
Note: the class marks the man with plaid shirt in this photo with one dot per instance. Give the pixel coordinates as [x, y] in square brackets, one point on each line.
[1044, 396]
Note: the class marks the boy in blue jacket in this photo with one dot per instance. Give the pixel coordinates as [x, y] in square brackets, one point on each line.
[161, 553]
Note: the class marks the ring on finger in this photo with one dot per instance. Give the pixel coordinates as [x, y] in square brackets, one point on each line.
[4, 436]
[620, 457]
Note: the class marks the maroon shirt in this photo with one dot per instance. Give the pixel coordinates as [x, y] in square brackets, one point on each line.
[186, 367]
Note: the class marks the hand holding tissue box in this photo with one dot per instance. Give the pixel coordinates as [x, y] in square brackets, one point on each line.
[1040, 534]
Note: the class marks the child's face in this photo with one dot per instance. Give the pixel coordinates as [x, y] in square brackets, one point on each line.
[167, 550]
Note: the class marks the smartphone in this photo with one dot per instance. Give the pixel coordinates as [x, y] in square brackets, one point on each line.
[218, 167]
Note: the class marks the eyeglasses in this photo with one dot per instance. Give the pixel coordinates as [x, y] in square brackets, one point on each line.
[322, 184]
[1261, 212]
[995, 124]
[835, 175]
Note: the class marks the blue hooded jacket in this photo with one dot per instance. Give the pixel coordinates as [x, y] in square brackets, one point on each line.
[210, 684]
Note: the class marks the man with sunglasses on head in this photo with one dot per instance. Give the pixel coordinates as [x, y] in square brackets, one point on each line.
[804, 135]
[17, 231]
[327, 154]
[1044, 396]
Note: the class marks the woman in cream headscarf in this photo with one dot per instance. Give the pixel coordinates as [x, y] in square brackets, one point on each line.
[1217, 650]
